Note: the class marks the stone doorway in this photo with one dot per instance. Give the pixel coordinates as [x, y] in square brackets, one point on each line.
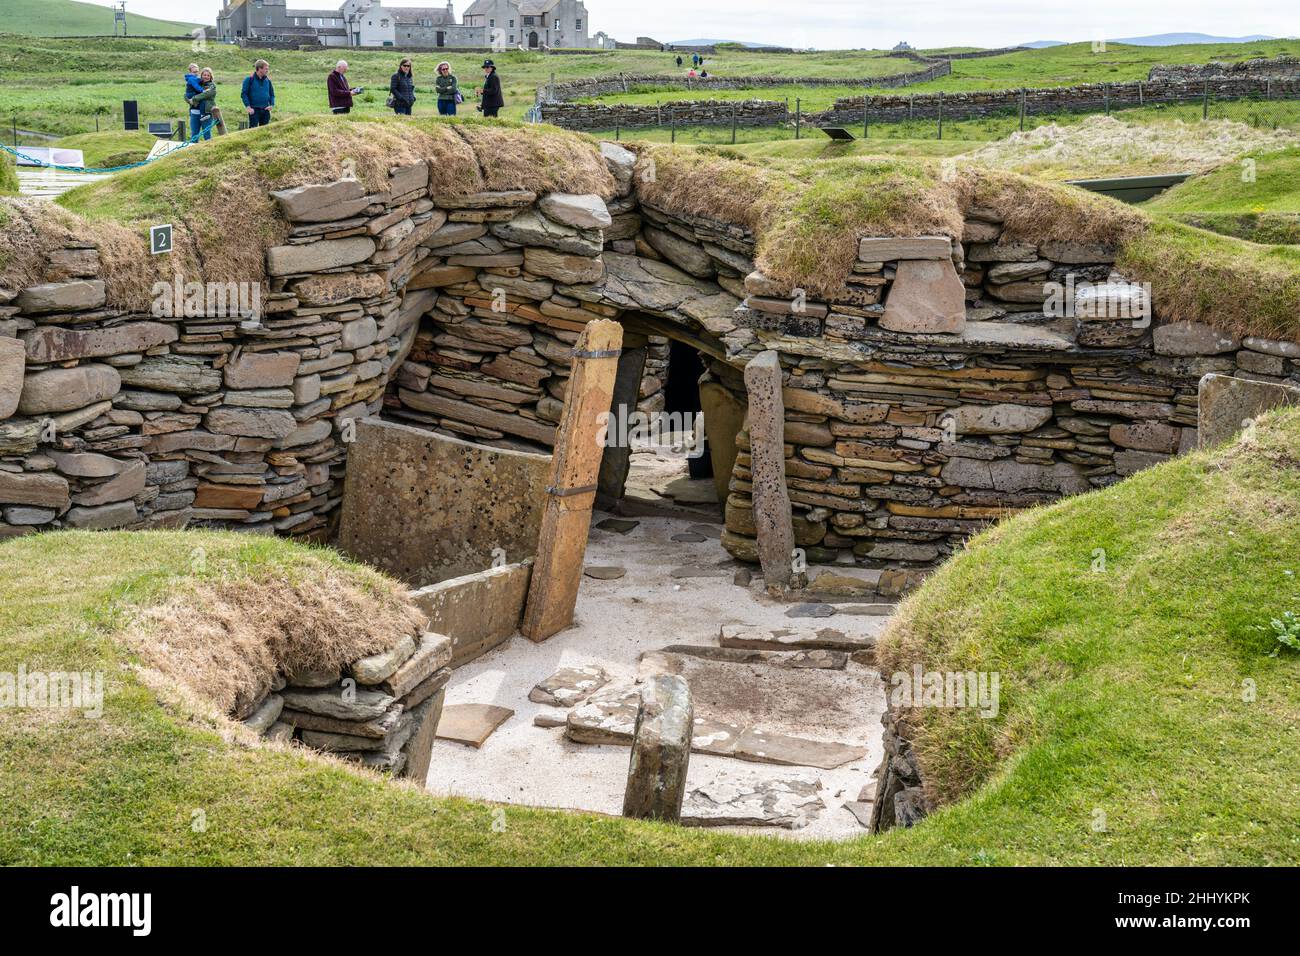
[532, 40]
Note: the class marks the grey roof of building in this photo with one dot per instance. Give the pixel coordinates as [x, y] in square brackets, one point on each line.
[412, 14]
[532, 8]
[480, 8]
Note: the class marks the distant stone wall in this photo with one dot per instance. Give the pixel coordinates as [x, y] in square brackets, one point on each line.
[627, 82]
[589, 116]
[1090, 97]
[1278, 66]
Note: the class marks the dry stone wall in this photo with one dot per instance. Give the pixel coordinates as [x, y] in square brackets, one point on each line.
[950, 381]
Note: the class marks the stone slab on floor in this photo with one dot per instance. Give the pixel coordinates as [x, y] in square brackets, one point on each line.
[791, 803]
[471, 724]
[569, 686]
[831, 660]
[748, 637]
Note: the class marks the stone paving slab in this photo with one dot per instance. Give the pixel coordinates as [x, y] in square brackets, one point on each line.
[569, 686]
[471, 724]
[748, 637]
[791, 803]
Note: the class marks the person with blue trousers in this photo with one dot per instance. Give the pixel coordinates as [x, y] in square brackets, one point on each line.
[193, 87]
[258, 94]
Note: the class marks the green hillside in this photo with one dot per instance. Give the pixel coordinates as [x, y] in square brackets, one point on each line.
[66, 18]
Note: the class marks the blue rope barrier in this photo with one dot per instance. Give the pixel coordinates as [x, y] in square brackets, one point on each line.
[206, 131]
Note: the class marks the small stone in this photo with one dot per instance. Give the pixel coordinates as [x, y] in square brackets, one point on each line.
[689, 537]
[569, 686]
[617, 525]
[266, 714]
[811, 610]
[377, 668]
[604, 572]
[582, 211]
[742, 577]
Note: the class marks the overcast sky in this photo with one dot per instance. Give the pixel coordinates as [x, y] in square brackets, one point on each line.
[839, 24]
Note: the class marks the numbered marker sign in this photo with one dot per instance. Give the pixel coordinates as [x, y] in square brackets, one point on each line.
[160, 239]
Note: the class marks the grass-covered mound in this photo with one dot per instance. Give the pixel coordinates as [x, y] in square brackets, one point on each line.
[1256, 197]
[1145, 691]
[110, 148]
[1131, 631]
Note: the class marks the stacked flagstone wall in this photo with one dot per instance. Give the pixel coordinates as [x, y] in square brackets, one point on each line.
[940, 388]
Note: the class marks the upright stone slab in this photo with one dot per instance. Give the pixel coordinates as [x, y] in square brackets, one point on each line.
[724, 419]
[661, 750]
[767, 464]
[1226, 404]
[617, 459]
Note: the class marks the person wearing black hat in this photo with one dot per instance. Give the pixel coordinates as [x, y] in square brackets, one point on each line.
[490, 98]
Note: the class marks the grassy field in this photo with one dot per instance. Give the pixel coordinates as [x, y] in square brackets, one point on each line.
[110, 147]
[1124, 735]
[67, 18]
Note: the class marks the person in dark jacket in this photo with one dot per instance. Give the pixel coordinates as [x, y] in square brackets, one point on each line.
[401, 88]
[193, 87]
[679, 62]
[258, 94]
[340, 92]
[448, 90]
[491, 100]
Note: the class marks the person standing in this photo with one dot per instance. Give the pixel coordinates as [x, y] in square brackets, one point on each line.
[679, 61]
[401, 89]
[258, 94]
[491, 99]
[448, 90]
[206, 103]
[193, 87]
[340, 92]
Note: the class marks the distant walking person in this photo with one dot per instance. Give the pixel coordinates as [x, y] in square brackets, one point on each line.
[401, 89]
[679, 61]
[193, 87]
[340, 92]
[206, 103]
[491, 99]
[448, 90]
[258, 94]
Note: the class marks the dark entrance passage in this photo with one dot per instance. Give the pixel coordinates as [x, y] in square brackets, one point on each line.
[682, 397]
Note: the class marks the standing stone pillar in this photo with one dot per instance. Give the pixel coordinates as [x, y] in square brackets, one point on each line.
[617, 460]
[661, 750]
[767, 465]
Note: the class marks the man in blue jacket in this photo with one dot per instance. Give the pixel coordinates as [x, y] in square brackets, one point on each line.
[258, 94]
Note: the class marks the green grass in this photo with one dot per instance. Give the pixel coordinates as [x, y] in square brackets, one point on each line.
[67, 18]
[8, 176]
[110, 147]
[1257, 198]
[1120, 691]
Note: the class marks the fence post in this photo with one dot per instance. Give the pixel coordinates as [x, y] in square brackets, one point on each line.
[941, 114]
[1141, 96]
[798, 115]
[866, 119]
[911, 105]
[733, 124]
[616, 131]
[552, 93]
[672, 117]
[1022, 109]
[1205, 101]
[1106, 95]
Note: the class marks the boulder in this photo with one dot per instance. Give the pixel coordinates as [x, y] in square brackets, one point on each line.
[1192, 338]
[262, 370]
[13, 361]
[927, 297]
[687, 256]
[1228, 404]
[55, 344]
[328, 202]
[65, 389]
[563, 267]
[621, 163]
[581, 211]
[319, 256]
[75, 296]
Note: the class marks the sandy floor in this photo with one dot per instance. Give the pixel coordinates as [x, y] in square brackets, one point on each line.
[616, 621]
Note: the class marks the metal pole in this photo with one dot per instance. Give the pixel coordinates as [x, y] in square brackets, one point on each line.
[798, 115]
[941, 114]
